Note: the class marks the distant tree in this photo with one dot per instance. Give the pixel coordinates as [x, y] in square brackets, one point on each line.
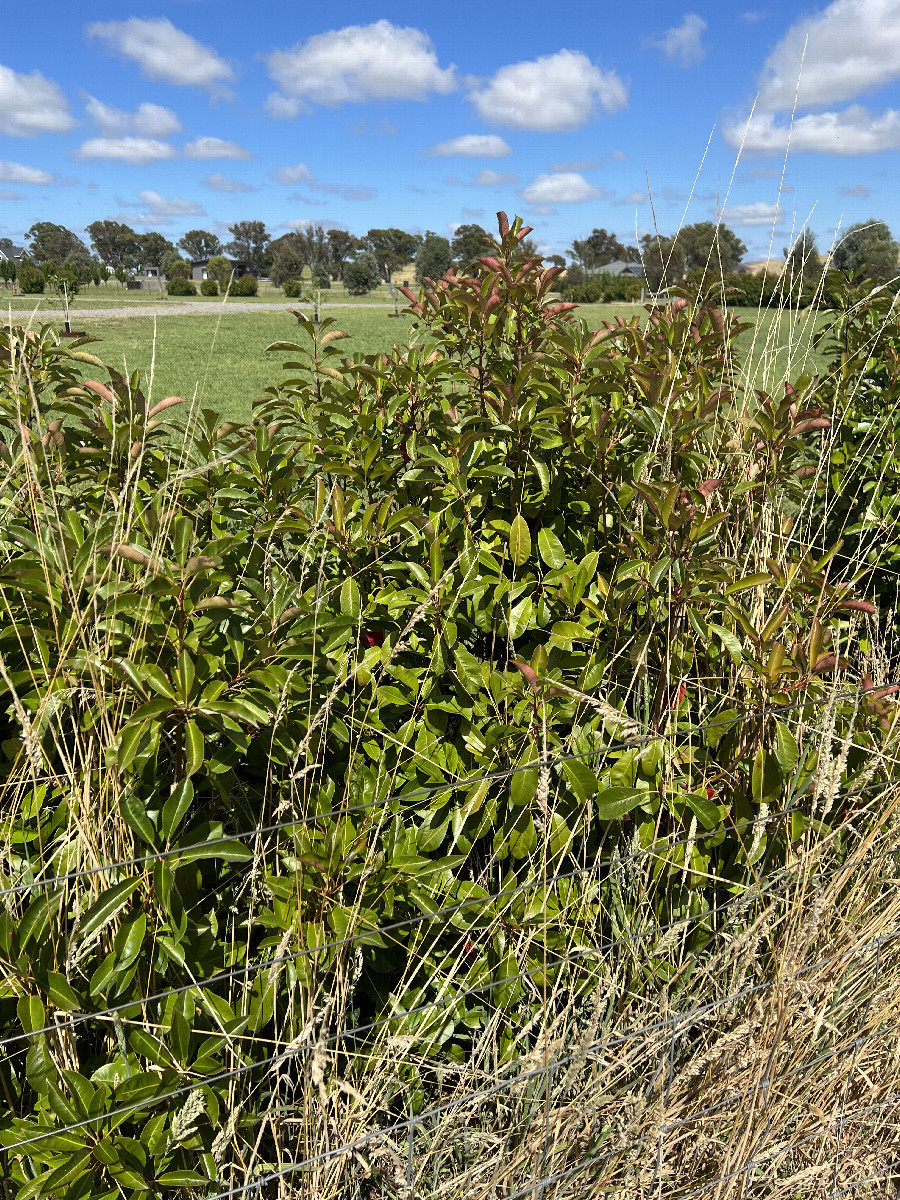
[393, 249]
[219, 269]
[712, 247]
[557, 260]
[7, 271]
[55, 243]
[867, 251]
[197, 243]
[63, 280]
[802, 259]
[248, 244]
[342, 247]
[173, 266]
[120, 274]
[434, 257]
[600, 248]
[115, 243]
[30, 279]
[527, 248]
[6, 245]
[154, 248]
[362, 275]
[469, 243]
[288, 260]
[312, 245]
[663, 261]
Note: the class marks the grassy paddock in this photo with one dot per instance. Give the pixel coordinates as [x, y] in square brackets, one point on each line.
[221, 357]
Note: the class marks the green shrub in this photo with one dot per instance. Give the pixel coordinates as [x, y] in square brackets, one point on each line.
[180, 287]
[209, 287]
[370, 626]
[219, 269]
[293, 289]
[30, 280]
[362, 275]
[321, 280]
[247, 285]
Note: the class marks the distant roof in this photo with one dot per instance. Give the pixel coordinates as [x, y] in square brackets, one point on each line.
[202, 262]
[15, 252]
[619, 267]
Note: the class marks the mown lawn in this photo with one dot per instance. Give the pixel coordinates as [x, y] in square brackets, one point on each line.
[221, 358]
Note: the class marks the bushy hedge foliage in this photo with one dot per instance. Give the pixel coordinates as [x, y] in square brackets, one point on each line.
[604, 289]
[181, 287]
[209, 287]
[293, 289]
[30, 280]
[247, 285]
[380, 613]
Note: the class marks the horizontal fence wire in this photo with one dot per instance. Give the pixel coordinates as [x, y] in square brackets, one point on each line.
[246, 1068]
[411, 922]
[426, 791]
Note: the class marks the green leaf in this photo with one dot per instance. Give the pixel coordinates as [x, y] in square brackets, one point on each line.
[741, 585]
[786, 750]
[194, 748]
[523, 784]
[107, 906]
[522, 836]
[569, 631]
[520, 617]
[182, 1178]
[468, 668]
[30, 1012]
[351, 601]
[135, 816]
[766, 778]
[613, 803]
[175, 807]
[60, 994]
[228, 851]
[551, 549]
[519, 540]
[581, 778]
[731, 643]
[707, 813]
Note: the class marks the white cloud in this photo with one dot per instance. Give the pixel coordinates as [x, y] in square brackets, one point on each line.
[31, 104]
[298, 174]
[13, 172]
[565, 187]
[555, 92]
[472, 145]
[164, 52]
[759, 213]
[576, 164]
[213, 147]
[633, 198]
[851, 46]
[683, 43]
[859, 190]
[355, 64]
[219, 183]
[149, 120]
[851, 132]
[485, 178]
[138, 151]
[7, 195]
[169, 206]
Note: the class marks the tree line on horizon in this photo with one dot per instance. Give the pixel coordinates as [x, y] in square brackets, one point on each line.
[866, 250]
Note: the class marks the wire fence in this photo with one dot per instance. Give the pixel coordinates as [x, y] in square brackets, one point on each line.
[664, 1043]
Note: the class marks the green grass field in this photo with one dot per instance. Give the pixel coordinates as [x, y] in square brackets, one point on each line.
[220, 358]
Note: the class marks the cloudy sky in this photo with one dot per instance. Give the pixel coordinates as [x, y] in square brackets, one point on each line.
[196, 113]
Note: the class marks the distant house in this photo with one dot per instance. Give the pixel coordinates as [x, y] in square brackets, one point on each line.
[633, 269]
[14, 254]
[199, 268]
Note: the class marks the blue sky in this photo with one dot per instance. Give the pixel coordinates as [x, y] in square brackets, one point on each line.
[188, 114]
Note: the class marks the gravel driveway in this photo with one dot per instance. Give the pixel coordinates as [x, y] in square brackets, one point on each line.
[196, 308]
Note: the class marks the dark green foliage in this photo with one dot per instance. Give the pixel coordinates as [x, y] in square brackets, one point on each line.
[173, 266]
[392, 248]
[362, 275]
[30, 280]
[433, 258]
[382, 613]
[867, 250]
[116, 244]
[198, 243]
[293, 289]
[154, 249]
[209, 287]
[469, 242]
[594, 252]
[55, 242]
[179, 286]
[249, 244]
[246, 285]
[603, 289]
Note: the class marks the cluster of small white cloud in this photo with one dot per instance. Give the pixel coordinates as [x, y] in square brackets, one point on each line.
[847, 48]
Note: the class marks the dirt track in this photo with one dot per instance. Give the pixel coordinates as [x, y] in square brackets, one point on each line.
[213, 309]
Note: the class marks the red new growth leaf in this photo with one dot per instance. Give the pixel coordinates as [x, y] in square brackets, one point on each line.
[809, 426]
[859, 606]
[503, 222]
[708, 486]
[374, 638]
[528, 672]
[101, 391]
